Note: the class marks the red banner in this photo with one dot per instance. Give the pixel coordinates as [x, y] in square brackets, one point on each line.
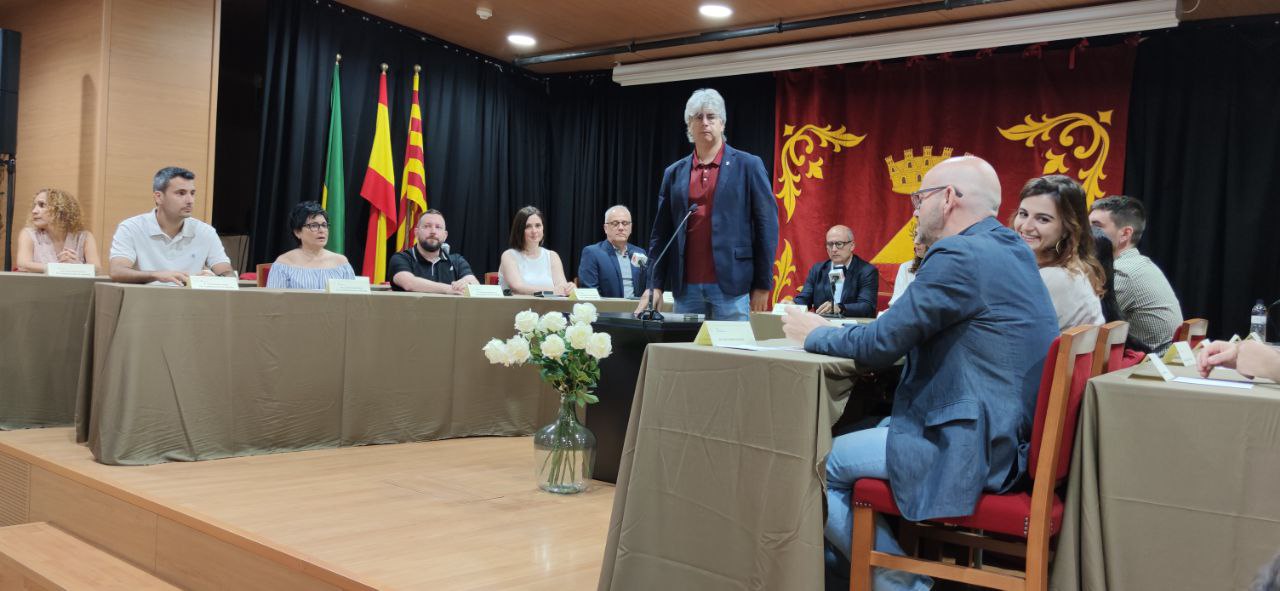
[853, 141]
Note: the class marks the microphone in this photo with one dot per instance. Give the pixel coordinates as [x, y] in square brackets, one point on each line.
[650, 313]
[835, 274]
[639, 260]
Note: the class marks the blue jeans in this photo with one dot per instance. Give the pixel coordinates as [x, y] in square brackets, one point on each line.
[861, 454]
[706, 298]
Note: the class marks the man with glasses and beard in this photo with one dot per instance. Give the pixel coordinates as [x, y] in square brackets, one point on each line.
[423, 267]
[853, 280]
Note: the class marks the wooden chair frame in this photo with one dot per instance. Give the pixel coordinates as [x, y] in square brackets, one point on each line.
[1074, 341]
[1109, 335]
[1190, 329]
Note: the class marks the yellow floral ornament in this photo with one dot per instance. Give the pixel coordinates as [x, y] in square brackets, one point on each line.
[784, 268]
[1098, 148]
[795, 156]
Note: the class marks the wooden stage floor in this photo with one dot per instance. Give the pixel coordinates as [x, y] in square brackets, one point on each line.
[454, 514]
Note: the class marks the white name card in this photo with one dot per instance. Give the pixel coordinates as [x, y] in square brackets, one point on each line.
[722, 333]
[354, 285]
[214, 282]
[585, 293]
[475, 290]
[1161, 368]
[69, 270]
[1185, 355]
[781, 309]
[667, 298]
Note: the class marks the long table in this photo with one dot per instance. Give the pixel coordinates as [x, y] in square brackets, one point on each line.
[1172, 486]
[42, 322]
[177, 374]
[721, 481]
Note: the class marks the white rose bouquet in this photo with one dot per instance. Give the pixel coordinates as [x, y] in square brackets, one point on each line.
[567, 350]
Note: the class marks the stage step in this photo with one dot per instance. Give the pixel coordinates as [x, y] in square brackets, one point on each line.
[39, 556]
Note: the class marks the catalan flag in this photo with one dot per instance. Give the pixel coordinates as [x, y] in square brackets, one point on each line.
[413, 185]
[379, 189]
[334, 196]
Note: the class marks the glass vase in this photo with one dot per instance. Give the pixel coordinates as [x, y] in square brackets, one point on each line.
[564, 452]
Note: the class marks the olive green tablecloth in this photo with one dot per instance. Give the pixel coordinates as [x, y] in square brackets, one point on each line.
[42, 324]
[179, 374]
[721, 481]
[1172, 486]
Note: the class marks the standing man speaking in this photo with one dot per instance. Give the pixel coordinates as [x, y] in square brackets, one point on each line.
[721, 263]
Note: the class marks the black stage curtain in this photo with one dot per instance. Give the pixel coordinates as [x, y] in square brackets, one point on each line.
[497, 138]
[1204, 156]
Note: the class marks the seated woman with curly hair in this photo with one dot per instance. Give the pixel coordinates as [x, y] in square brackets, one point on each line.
[1054, 221]
[55, 234]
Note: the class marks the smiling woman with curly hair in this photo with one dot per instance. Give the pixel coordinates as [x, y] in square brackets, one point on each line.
[55, 234]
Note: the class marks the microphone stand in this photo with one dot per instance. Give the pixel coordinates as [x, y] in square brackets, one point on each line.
[650, 313]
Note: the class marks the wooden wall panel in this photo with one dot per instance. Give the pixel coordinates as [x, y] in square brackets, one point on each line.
[161, 65]
[59, 92]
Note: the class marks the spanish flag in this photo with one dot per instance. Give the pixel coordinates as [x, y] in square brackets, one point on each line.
[379, 189]
[413, 185]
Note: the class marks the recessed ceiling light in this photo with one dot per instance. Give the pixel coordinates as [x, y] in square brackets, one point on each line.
[521, 39]
[715, 10]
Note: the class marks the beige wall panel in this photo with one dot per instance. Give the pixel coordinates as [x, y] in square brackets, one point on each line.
[15, 491]
[160, 98]
[59, 90]
[124, 530]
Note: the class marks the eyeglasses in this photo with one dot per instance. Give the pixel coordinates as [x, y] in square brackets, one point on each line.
[919, 197]
[839, 245]
[316, 226]
[710, 117]
[619, 224]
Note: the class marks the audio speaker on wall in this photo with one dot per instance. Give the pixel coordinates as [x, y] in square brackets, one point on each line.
[10, 48]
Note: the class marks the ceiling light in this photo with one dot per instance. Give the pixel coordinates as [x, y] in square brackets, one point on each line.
[715, 10]
[1107, 19]
[521, 39]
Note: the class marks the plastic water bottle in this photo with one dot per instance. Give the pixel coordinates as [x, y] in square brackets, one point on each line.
[1258, 320]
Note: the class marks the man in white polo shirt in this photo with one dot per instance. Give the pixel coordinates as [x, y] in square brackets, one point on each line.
[166, 245]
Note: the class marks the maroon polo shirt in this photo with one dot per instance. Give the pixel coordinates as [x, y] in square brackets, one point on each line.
[699, 264]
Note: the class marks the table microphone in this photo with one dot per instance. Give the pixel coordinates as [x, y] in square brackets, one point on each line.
[835, 274]
[650, 313]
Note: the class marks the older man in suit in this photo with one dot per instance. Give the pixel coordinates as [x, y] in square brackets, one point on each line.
[975, 327]
[726, 250]
[610, 265]
[843, 285]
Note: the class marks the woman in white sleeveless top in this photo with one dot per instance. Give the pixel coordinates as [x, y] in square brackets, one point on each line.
[1053, 220]
[528, 268]
[56, 234]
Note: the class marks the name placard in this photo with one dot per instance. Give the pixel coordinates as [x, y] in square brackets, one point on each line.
[354, 285]
[1185, 354]
[667, 298]
[214, 282]
[781, 309]
[1161, 368]
[585, 293]
[721, 333]
[475, 290]
[69, 270]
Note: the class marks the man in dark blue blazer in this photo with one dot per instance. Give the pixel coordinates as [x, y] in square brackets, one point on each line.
[610, 265]
[975, 328]
[721, 263]
[856, 280]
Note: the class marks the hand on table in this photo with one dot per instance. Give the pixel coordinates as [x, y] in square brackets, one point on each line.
[797, 325]
[825, 308]
[759, 300]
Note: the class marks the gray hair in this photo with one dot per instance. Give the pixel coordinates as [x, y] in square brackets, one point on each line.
[166, 174]
[613, 209]
[703, 99]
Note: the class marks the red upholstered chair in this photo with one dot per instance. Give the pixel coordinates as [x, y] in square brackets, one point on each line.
[263, 270]
[1109, 354]
[1034, 517]
[1192, 331]
[491, 278]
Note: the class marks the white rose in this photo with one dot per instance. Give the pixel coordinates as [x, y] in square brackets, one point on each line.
[496, 351]
[517, 350]
[600, 345]
[552, 322]
[584, 313]
[527, 321]
[553, 347]
[577, 335]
